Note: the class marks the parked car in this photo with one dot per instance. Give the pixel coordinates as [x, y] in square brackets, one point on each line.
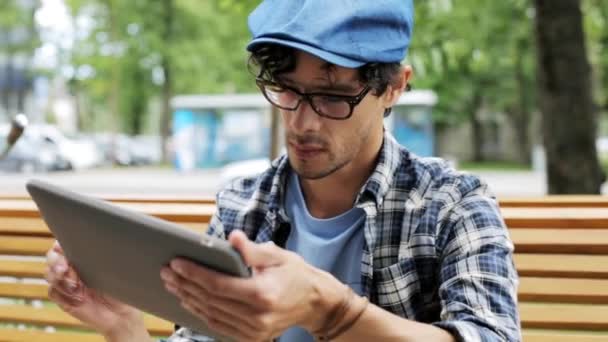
[31, 154]
[146, 149]
[124, 150]
[80, 153]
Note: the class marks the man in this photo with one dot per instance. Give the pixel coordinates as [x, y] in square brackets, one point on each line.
[377, 243]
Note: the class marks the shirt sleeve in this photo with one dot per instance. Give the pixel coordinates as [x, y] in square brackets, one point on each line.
[478, 280]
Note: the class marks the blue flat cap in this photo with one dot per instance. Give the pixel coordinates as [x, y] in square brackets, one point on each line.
[348, 33]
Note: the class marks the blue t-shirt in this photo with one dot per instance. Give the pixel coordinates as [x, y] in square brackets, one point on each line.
[334, 245]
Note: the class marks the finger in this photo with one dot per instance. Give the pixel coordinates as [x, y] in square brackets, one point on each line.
[51, 275]
[226, 328]
[72, 275]
[58, 272]
[66, 282]
[56, 261]
[217, 284]
[68, 288]
[57, 247]
[191, 279]
[63, 299]
[72, 287]
[228, 309]
[256, 255]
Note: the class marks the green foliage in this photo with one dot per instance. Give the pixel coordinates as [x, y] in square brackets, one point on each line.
[206, 51]
[465, 50]
[17, 20]
[596, 29]
[11, 15]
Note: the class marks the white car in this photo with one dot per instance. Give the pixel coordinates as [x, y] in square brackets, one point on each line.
[80, 154]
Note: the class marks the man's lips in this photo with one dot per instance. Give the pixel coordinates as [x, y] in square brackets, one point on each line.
[305, 150]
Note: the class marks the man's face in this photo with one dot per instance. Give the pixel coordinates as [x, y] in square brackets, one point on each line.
[318, 146]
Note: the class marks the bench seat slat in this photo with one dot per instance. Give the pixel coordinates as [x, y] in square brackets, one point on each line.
[563, 290]
[564, 316]
[555, 201]
[528, 240]
[14, 335]
[562, 265]
[177, 212]
[23, 291]
[55, 317]
[30, 246]
[23, 226]
[538, 335]
[22, 268]
[35, 227]
[135, 198]
[586, 218]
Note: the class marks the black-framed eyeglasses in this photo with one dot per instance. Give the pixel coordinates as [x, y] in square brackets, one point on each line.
[331, 106]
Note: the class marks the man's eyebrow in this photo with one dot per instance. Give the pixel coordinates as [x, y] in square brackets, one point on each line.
[335, 87]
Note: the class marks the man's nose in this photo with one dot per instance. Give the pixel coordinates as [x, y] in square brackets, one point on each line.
[304, 118]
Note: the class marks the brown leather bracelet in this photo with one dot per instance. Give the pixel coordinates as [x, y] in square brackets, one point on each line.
[336, 314]
[346, 319]
[349, 324]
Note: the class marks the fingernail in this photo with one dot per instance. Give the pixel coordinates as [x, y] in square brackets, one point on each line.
[72, 286]
[60, 268]
[171, 288]
[177, 266]
[187, 306]
[165, 275]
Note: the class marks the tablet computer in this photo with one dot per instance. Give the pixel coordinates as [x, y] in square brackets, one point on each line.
[121, 252]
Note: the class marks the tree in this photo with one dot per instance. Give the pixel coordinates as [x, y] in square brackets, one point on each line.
[146, 50]
[565, 94]
[596, 29]
[479, 62]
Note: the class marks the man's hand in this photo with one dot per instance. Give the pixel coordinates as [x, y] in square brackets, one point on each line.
[283, 291]
[111, 318]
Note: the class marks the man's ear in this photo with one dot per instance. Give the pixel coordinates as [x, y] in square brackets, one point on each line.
[394, 90]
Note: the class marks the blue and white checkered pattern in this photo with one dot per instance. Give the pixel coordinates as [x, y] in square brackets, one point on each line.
[436, 248]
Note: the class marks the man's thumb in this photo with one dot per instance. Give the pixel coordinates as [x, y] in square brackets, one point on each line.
[256, 255]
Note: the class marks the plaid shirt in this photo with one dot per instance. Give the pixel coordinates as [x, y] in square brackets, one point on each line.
[436, 248]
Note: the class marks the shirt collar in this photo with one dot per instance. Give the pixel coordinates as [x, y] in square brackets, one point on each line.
[378, 184]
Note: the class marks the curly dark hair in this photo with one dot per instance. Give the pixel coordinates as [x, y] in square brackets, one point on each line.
[267, 61]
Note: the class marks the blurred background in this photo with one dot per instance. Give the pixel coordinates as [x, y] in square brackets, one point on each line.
[154, 96]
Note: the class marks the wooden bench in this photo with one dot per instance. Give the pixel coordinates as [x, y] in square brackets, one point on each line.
[563, 270]
[561, 254]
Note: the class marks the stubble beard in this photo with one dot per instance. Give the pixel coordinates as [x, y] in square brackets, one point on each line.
[307, 170]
